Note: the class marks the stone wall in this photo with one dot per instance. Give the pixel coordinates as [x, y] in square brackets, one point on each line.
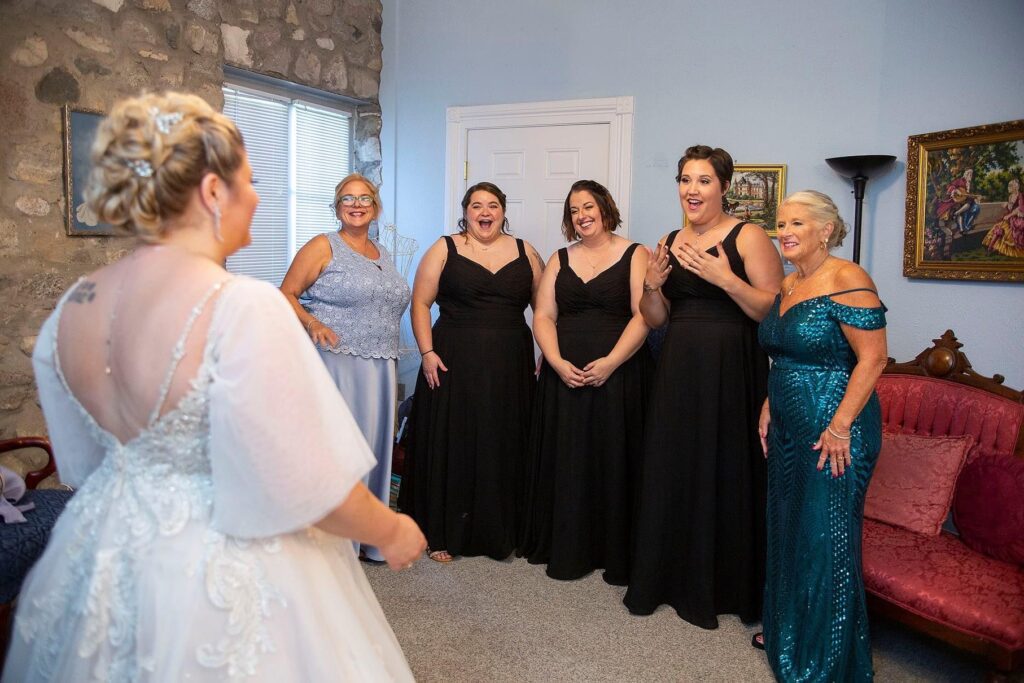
[89, 53]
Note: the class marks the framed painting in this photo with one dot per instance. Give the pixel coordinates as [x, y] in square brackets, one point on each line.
[756, 192]
[965, 208]
[80, 127]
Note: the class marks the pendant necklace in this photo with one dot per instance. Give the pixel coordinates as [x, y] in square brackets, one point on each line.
[583, 253]
[797, 281]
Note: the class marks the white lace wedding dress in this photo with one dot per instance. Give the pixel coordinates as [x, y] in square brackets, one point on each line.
[187, 552]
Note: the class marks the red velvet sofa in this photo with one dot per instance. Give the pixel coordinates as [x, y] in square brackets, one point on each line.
[937, 584]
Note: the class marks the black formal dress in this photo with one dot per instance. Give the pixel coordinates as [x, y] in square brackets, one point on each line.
[699, 540]
[586, 443]
[465, 466]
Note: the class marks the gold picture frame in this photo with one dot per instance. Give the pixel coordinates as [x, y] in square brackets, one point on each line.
[755, 193]
[965, 207]
[79, 132]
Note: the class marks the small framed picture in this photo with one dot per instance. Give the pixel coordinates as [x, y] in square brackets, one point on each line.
[756, 192]
[80, 127]
[965, 208]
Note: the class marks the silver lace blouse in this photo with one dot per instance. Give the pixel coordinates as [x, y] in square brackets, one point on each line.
[361, 300]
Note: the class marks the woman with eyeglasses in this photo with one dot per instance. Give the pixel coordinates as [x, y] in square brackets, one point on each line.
[355, 302]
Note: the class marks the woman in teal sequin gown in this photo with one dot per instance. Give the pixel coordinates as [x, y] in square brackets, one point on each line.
[821, 429]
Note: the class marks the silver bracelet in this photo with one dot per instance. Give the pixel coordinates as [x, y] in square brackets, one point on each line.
[837, 434]
[648, 288]
[309, 325]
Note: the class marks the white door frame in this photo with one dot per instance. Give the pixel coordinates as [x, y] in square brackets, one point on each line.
[617, 112]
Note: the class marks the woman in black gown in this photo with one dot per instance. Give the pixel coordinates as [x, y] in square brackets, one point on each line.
[471, 412]
[588, 417]
[699, 540]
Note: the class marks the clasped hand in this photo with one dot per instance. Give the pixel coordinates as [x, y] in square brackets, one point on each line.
[594, 374]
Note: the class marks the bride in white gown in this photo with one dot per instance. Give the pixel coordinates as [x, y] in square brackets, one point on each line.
[218, 468]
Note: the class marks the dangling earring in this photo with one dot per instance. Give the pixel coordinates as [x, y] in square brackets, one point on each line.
[216, 223]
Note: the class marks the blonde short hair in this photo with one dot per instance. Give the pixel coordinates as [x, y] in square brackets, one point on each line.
[150, 154]
[824, 211]
[350, 178]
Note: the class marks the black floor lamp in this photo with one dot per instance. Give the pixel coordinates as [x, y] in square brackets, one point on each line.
[858, 168]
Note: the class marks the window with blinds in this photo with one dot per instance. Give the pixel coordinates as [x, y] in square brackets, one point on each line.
[298, 151]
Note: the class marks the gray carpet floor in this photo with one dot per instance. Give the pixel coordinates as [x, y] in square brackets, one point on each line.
[475, 619]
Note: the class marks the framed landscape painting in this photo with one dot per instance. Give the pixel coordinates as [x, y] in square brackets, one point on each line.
[965, 208]
[79, 132]
[756, 192]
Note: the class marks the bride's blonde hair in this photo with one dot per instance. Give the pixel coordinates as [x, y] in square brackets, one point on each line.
[151, 152]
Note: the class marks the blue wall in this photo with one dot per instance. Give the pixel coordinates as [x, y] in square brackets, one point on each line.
[791, 83]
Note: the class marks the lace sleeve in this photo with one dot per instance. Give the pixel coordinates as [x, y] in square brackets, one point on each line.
[284, 447]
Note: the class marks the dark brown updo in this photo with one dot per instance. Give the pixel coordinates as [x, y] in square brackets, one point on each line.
[719, 159]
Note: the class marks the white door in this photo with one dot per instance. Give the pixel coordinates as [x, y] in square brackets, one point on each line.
[535, 166]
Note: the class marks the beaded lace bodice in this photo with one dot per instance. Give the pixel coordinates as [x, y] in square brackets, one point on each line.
[174, 442]
[151, 486]
[176, 557]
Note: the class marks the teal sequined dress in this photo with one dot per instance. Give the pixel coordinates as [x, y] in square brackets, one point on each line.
[815, 619]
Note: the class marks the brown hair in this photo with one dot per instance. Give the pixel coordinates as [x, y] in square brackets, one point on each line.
[602, 197]
[374, 192]
[719, 159]
[151, 152]
[482, 187]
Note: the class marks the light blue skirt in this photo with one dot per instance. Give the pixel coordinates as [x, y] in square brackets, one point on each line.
[369, 387]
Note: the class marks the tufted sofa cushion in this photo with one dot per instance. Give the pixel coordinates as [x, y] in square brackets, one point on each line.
[941, 579]
[935, 407]
[989, 507]
[22, 544]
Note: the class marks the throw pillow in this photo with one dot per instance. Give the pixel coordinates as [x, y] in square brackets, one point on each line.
[914, 479]
[989, 507]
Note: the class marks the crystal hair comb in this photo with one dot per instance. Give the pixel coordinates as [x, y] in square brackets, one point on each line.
[140, 167]
[164, 122]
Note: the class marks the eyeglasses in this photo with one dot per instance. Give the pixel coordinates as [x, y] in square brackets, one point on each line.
[352, 200]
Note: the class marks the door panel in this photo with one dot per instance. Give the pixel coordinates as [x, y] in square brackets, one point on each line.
[535, 166]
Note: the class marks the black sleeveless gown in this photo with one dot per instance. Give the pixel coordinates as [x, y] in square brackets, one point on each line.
[699, 540]
[586, 443]
[465, 465]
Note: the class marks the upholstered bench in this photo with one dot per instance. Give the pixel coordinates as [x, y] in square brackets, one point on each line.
[21, 544]
[960, 580]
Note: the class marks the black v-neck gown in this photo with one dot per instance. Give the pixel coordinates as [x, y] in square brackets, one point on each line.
[699, 540]
[463, 482]
[586, 443]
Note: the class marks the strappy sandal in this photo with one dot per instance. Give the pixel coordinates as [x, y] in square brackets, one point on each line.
[441, 556]
[758, 640]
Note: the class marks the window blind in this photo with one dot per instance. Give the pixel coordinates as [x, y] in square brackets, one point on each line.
[298, 153]
[322, 160]
[263, 123]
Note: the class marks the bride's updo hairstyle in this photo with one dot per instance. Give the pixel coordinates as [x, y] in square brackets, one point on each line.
[151, 153]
